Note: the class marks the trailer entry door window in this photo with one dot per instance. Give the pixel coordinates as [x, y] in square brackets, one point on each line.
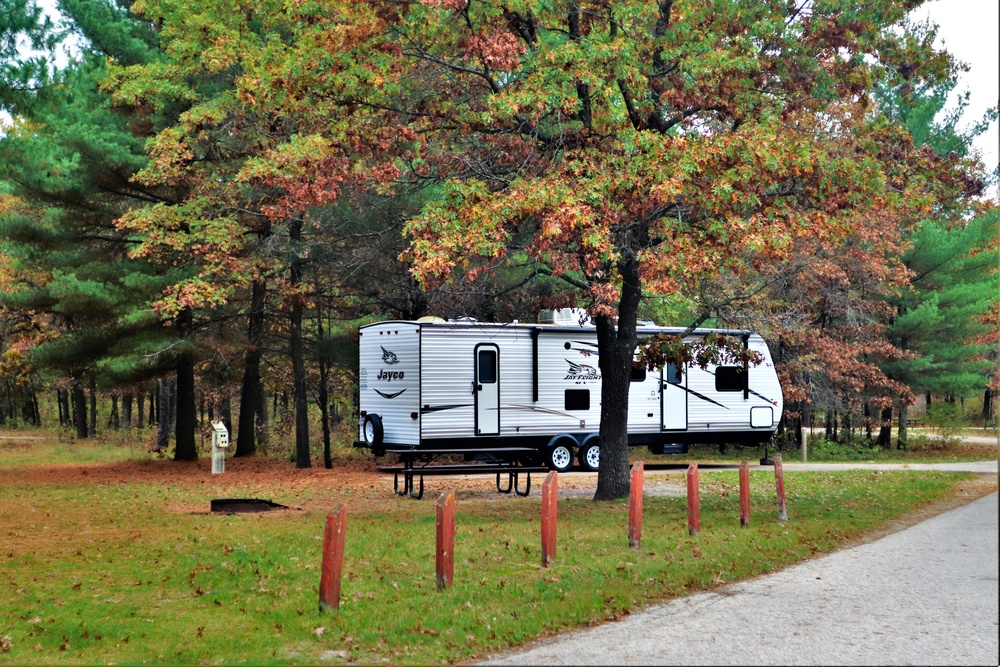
[487, 366]
[577, 399]
[730, 378]
[673, 374]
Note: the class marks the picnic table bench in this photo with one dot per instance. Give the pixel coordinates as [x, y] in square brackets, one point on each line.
[416, 463]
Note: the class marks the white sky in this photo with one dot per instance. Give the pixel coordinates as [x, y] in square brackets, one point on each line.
[970, 31]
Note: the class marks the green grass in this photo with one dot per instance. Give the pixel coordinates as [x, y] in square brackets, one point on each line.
[142, 573]
[36, 447]
[922, 448]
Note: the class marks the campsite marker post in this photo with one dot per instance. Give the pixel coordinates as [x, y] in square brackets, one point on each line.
[779, 479]
[550, 504]
[333, 559]
[744, 494]
[635, 506]
[445, 559]
[694, 500]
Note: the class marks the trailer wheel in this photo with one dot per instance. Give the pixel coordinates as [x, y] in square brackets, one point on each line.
[560, 458]
[373, 431]
[590, 456]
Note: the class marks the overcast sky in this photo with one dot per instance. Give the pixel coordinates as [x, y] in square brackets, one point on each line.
[970, 31]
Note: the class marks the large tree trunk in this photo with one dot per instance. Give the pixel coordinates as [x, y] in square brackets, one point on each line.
[226, 412]
[79, 409]
[885, 429]
[93, 405]
[616, 349]
[902, 425]
[140, 400]
[324, 399]
[251, 393]
[297, 351]
[987, 407]
[127, 410]
[186, 406]
[163, 417]
[113, 420]
[62, 398]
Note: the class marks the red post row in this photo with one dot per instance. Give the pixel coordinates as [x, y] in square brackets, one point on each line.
[445, 560]
[635, 506]
[744, 494]
[550, 503]
[694, 500]
[779, 479]
[333, 559]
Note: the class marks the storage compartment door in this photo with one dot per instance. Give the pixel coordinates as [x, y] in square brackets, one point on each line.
[673, 398]
[487, 389]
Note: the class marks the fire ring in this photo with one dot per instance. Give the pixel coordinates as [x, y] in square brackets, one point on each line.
[239, 505]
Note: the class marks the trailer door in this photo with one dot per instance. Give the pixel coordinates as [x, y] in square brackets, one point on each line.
[487, 389]
[673, 399]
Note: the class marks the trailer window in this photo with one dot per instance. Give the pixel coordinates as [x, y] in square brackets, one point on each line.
[577, 399]
[730, 378]
[673, 374]
[487, 366]
[638, 372]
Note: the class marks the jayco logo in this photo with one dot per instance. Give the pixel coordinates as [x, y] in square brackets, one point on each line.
[389, 357]
[389, 376]
[581, 372]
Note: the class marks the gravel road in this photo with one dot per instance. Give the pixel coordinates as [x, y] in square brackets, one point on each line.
[927, 595]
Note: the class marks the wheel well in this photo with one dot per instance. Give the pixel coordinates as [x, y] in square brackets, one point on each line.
[564, 439]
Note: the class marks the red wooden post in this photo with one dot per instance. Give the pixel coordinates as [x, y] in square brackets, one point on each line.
[550, 503]
[694, 501]
[635, 506]
[333, 559]
[445, 540]
[744, 494]
[779, 478]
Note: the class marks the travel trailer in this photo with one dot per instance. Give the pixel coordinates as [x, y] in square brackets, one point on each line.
[534, 390]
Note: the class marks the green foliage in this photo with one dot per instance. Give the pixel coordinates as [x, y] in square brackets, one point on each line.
[942, 314]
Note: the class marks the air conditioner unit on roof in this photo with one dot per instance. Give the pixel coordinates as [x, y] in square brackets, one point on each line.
[564, 317]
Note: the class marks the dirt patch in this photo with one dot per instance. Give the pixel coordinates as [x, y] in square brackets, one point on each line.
[317, 488]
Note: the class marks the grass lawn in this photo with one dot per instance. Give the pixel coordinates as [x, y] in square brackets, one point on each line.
[108, 560]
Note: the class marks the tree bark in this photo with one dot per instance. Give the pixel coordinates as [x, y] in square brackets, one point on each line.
[324, 398]
[127, 410]
[885, 429]
[251, 393]
[163, 421]
[987, 407]
[79, 409]
[92, 389]
[113, 419]
[297, 352]
[226, 412]
[186, 407]
[616, 349]
[902, 425]
[140, 399]
[63, 403]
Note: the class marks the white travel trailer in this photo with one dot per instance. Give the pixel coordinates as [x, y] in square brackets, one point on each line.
[536, 389]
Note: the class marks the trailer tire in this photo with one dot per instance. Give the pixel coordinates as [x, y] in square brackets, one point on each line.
[590, 455]
[374, 433]
[559, 457]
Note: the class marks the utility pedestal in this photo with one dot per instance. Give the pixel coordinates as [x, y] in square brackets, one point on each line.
[220, 443]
